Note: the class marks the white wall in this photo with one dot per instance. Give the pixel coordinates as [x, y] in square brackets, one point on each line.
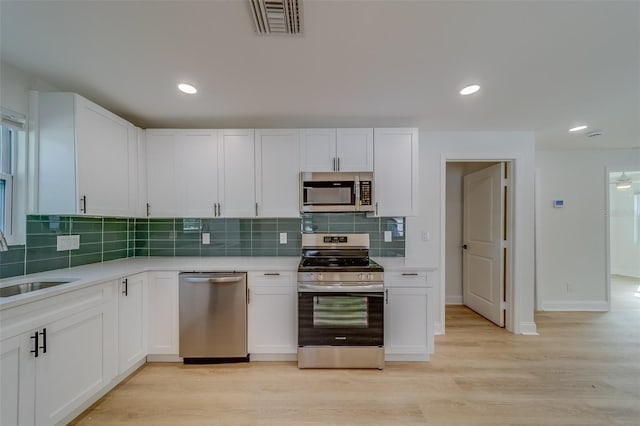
[571, 265]
[15, 85]
[625, 246]
[435, 148]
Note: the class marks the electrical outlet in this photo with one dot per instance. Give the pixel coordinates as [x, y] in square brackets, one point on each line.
[426, 236]
[283, 238]
[67, 242]
[206, 238]
[387, 236]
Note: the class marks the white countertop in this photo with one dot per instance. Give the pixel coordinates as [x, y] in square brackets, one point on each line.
[95, 273]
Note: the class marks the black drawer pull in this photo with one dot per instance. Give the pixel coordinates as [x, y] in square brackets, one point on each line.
[272, 274]
[411, 274]
[36, 346]
[43, 333]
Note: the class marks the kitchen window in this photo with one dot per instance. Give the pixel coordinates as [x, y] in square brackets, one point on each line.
[7, 148]
[13, 156]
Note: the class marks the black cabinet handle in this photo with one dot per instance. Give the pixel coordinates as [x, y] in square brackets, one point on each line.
[43, 333]
[412, 274]
[83, 204]
[464, 246]
[36, 346]
[338, 164]
[148, 209]
[386, 296]
[248, 295]
[272, 273]
[125, 290]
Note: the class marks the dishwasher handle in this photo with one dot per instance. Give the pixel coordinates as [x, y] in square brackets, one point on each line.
[212, 280]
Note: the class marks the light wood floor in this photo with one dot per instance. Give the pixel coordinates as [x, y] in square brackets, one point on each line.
[583, 369]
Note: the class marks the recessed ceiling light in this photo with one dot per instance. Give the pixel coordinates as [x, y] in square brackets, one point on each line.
[577, 128]
[187, 88]
[470, 90]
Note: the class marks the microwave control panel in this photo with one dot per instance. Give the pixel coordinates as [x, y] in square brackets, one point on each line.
[365, 193]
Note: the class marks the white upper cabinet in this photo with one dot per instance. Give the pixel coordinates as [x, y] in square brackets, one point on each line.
[84, 158]
[161, 173]
[331, 150]
[238, 193]
[354, 150]
[197, 158]
[200, 173]
[277, 172]
[317, 150]
[396, 171]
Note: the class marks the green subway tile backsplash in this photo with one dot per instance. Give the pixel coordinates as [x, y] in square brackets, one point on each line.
[104, 238]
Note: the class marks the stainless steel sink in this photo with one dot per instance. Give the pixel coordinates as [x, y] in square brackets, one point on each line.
[12, 290]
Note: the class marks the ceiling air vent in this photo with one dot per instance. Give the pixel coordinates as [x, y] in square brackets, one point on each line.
[277, 16]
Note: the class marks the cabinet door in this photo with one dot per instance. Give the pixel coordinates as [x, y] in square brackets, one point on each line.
[354, 150]
[17, 387]
[318, 150]
[132, 321]
[238, 197]
[73, 369]
[278, 173]
[163, 313]
[102, 144]
[406, 321]
[272, 314]
[396, 172]
[196, 166]
[161, 174]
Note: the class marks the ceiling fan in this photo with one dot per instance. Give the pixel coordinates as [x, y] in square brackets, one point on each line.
[622, 182]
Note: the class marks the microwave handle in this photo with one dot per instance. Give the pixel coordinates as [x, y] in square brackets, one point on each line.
[357, 190]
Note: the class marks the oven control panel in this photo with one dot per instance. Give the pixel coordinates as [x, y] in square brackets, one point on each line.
[336, 277]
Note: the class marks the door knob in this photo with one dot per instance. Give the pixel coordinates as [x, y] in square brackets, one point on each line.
[464, 246]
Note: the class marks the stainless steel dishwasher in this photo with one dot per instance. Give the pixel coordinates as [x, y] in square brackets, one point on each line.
[213, 317]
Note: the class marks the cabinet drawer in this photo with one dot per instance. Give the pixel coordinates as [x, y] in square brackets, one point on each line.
[406, 279]
[31, 315]
[272, 278]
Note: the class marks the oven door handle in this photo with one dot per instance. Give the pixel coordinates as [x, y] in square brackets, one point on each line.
[313, 288]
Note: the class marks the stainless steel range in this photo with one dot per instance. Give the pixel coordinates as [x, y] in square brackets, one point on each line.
[340, 303]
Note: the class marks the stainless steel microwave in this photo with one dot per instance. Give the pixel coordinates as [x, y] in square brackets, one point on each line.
[336, 192]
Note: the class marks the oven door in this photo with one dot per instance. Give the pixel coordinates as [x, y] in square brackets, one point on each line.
[329, 318]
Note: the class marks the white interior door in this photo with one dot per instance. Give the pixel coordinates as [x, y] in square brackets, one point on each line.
[482, 230]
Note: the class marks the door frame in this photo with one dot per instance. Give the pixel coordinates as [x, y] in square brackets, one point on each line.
[512, 291]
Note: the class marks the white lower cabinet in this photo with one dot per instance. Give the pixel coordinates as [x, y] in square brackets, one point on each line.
[272, 329]
[45, 379]
[132, 321]
[163, 313]
[406, 325]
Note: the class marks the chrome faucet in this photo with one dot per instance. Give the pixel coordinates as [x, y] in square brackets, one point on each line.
[3, 242]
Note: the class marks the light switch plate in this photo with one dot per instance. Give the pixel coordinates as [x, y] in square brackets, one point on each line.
[387, 236]
[283, 238]
[67, 242]
[206, 238]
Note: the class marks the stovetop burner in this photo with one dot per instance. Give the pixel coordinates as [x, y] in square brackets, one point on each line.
[336, 252]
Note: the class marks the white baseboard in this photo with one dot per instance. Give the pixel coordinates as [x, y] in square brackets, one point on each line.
[406, 358]
[627, 273]
[438, 328]
[164, 358]
[453, 300]
[576, 305]
[528, 328]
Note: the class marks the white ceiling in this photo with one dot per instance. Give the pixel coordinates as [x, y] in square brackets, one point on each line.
[543, 66]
